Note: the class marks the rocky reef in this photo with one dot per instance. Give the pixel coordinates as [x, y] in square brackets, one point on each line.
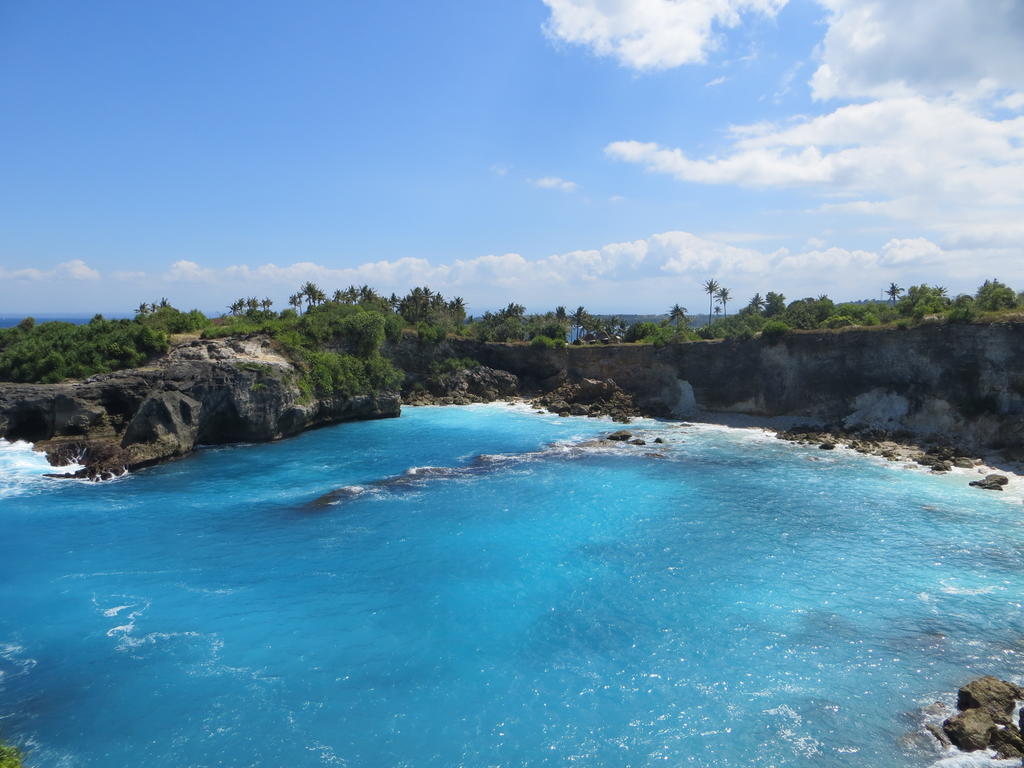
[201, 392]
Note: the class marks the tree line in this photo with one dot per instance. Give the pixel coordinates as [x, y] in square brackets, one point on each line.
[337, 337]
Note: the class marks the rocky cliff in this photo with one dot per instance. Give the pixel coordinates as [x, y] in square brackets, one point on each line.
[963, 383]
[201, 392]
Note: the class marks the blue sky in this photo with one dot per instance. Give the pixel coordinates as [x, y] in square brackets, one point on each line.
[612, 153]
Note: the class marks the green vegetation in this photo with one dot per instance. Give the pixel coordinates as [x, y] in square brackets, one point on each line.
[50, 352]
[772, 317]
[10, 757]
[337, 341]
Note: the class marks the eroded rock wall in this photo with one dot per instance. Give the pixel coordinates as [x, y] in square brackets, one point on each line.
[201, 392]
[962, 382]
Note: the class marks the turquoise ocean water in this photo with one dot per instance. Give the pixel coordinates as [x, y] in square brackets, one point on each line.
[735, 601]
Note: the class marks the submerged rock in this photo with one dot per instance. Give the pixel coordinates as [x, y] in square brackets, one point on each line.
[991, 482]
[939, 734]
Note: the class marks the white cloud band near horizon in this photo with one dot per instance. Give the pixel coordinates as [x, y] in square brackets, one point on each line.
[636, 276]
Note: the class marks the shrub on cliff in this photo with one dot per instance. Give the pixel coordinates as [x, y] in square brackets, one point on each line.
[774, 330]
[431, 334]
[993, 296]
[545, 342]
[640, 331]
[963, 310]
[170, 320]
[51, 352]
[328, 373]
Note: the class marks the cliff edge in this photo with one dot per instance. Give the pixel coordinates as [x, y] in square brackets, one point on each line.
[201, 392]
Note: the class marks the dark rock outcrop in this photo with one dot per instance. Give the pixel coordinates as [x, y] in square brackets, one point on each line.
[995, 696]
[478, 384]
[986, 706]
[590, 397]
[970, 730]
[991, 482]
[936, 382]
[201, 392]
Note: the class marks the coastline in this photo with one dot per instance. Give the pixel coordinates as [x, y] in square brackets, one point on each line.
[770, 427]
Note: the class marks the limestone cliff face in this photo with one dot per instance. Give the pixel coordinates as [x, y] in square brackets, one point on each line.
[962, 382]
[201, 392]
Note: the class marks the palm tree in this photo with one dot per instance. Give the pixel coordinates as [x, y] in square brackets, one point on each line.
[893, 292]
[757, 303]
[236, 306]
[266, 304]
[711, 288]
[312, 293]
[295, 300]
[143, 309]
[164, 303]
[252, 303]
[723, 295]
[677, 315]
[457, 308]
[560, 313]
[580, 319]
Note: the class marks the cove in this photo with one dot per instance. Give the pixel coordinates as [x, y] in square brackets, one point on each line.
[721, 599]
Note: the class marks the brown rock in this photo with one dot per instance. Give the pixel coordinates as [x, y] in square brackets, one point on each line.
[1007, 742]
[996, 696]
[970, 730]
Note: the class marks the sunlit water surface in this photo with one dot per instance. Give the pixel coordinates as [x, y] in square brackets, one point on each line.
[735, 601]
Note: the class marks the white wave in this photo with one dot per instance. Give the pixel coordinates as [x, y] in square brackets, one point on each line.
[22, 468]
[952, 589]
[16, 661]
[974, 760]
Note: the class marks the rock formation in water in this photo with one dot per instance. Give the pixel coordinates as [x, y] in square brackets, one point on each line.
[985, 719]
[201, 392]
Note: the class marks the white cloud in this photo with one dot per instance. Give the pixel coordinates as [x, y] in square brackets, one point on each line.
[910, 250]
[938, 164]
[188, 271]
[553, 182]
[650, 34]
[646, 274]
[716, 81]
[881, 48]
[1013, 101]
[76, 269]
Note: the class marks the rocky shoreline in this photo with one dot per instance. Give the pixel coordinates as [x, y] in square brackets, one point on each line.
[898, 447]
[244, 390]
